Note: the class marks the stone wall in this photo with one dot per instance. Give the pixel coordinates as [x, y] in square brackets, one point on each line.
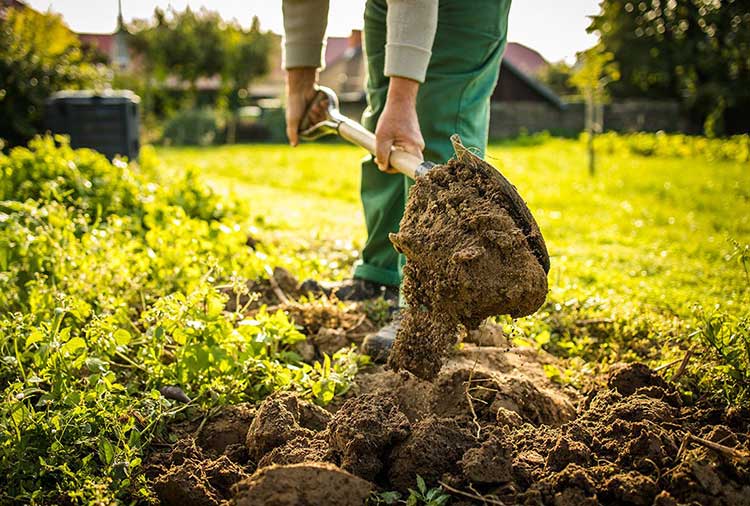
[509, 119]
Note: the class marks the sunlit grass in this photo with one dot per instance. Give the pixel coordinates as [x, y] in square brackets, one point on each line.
[651, 231]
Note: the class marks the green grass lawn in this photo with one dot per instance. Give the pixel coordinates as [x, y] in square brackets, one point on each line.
[651, 230]
[634, 249]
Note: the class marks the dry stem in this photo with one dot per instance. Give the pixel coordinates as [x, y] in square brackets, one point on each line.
[477, 497]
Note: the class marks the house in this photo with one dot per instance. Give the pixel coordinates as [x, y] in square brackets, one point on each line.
[519, 77]
[518, 83]
[112, 46]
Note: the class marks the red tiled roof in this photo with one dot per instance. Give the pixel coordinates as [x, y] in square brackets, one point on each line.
[335, 47]
[525, 59]
[102, 41]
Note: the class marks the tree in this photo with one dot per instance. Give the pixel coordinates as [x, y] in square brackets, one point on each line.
[191, 45]
[694, 51]
[557, 77]
[38, 56]
[596, 70]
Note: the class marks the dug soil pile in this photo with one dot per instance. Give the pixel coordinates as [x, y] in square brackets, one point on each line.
[490, 424]
[473, 250]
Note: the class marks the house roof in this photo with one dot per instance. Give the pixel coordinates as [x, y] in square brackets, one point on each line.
[102, 41]
[525, 59]
[335, 48]
[534, 84]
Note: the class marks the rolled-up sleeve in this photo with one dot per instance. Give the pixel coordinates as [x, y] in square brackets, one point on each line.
[411, 26]
[305, 24]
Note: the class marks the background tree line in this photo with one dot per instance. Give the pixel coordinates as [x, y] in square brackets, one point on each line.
[696, 52]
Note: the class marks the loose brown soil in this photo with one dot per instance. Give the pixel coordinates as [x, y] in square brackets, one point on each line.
[473, 251]
[489, 424]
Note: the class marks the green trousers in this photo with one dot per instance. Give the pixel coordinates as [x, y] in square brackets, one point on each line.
[455, 98]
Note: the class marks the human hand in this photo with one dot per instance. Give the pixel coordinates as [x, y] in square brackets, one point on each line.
[300, 90]
[398, 125]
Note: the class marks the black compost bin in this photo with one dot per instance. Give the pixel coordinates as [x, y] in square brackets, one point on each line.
[107, 122]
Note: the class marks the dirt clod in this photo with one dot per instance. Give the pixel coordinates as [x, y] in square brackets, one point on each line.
[473, 251]
[227, 429]
[432, 449]
[308, 484]
[186, 475]
[628, 378]
[282, 418]
[364, 429]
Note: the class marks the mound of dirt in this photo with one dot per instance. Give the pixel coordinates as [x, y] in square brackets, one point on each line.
[491, 423]
[473, 251]
[621, 449]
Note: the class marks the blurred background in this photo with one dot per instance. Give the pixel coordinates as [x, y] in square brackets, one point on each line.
[210, 72]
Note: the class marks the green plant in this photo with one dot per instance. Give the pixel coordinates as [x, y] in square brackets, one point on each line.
[741, 254]
[421, 496]
[427, 497]
[735, 148]
[111, 292]
[727, 339]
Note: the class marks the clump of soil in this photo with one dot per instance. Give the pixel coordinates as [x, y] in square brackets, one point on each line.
[186, 475]
[227, 430]
[364, 430]
[282, 418]
[310, 484]
[432, 449]
[473, 251]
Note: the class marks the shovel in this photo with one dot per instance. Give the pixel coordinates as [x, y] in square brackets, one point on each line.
[414, 167]
[338, 124]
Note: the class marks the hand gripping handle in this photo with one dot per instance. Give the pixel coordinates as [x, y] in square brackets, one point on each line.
[337, 123]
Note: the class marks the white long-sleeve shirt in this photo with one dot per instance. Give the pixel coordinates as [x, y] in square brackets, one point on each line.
[410, 32]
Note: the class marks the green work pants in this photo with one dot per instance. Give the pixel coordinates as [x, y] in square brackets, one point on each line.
[455, 98]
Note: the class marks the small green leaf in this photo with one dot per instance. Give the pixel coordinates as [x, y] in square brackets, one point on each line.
[442, 500]
[73, 345]
[34, 337]
[122, 337]
[106, 451]
[135, 438]
[421, 485]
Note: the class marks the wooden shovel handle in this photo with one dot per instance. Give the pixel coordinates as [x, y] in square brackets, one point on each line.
[404, 162]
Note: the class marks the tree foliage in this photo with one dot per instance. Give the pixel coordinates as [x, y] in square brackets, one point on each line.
[190, 45]
[694, 51]
[38, 56]
[557, 76]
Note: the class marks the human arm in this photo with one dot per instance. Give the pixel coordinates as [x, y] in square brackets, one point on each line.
[411, 27]
[304, 28]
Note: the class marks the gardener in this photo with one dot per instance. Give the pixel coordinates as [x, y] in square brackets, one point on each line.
[431, 69]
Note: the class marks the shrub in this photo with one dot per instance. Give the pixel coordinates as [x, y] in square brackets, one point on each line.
[736, 148]
[38, 56]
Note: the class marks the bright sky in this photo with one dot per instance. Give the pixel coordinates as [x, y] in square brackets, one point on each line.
[555, 28]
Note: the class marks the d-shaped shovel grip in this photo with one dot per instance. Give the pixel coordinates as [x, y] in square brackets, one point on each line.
[337, 123]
